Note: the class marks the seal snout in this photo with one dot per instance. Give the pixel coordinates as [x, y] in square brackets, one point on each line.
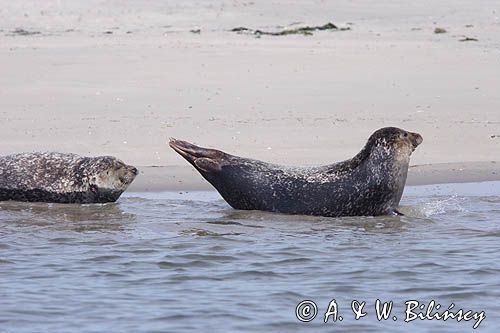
[133, 170]
[416, 139]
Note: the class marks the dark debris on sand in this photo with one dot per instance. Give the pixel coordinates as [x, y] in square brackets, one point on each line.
[440, 30]
[23, 32]
[307, 30]
[468, 39]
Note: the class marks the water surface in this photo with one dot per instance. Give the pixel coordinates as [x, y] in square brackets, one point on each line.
[184, 262]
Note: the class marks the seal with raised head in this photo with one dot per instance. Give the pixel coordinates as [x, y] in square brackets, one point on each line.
[63, 178]
[371, 183]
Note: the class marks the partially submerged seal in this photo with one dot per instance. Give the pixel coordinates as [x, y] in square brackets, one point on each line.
[371, 183]
[63, 178]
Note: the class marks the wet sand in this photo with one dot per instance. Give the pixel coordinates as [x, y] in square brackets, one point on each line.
[117, 79]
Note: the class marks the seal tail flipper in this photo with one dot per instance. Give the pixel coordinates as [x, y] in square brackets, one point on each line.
[203, 159]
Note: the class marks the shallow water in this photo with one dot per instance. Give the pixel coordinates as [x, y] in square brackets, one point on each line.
[184, 262]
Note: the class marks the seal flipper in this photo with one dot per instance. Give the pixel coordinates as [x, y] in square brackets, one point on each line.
[207, 164]
[397, 213]
[203, 159]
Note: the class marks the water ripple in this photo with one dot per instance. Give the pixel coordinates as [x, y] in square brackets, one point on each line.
[183, 263]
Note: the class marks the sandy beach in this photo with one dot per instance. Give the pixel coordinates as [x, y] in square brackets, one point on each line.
[120, 78]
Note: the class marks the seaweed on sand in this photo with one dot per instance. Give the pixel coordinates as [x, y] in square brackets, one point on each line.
[307, 30]
[468, 39]
[23, 32]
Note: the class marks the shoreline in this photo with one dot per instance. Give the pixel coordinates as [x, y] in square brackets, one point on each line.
[186, 178]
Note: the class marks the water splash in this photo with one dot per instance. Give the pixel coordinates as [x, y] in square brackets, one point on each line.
[432, 206]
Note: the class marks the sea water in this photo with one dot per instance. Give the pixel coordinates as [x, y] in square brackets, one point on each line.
[187, 262]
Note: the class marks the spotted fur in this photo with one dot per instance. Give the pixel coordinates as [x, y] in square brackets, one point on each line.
[371, 183]
[63, 178]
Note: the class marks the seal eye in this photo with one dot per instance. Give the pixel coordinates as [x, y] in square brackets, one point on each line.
[405, 134]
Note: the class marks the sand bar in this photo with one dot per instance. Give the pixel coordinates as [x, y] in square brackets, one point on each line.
[95, 78]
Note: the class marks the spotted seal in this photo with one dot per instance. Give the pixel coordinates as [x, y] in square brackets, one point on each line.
[63, 178]
[370, 183]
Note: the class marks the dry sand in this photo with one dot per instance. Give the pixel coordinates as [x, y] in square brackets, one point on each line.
[121, 77]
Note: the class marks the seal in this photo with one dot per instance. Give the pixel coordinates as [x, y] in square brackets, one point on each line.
[63, 178]
[370, 183]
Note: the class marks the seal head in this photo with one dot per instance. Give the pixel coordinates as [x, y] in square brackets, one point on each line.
[106, 177]
[370, 183]
[389, 143]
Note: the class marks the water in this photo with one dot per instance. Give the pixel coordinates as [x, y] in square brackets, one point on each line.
[171, 262]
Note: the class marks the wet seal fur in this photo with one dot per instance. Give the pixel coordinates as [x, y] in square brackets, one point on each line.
[63, 178]
[369, 184]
